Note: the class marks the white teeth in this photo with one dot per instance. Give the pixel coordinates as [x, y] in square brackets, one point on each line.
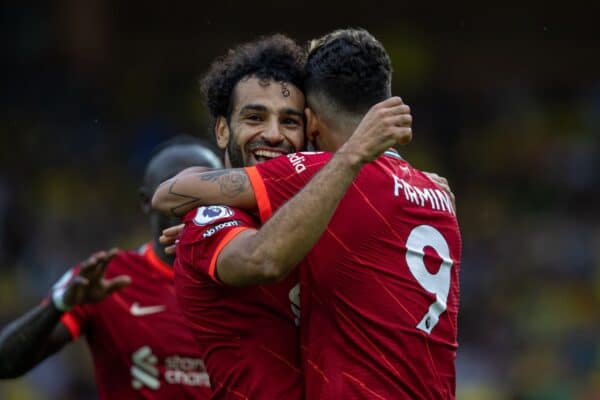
[266, 153]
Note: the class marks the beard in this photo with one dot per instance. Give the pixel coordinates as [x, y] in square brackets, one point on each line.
[236, 155]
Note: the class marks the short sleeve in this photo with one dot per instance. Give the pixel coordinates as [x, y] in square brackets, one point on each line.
[206, 232]
[76, 320]
[276, 181]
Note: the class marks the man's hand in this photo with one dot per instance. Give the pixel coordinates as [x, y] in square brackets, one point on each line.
[387, 124]
[87, 285]
[443, 183]
[169, 238]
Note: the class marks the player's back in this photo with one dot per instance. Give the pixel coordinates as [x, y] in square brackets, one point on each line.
[374, 287]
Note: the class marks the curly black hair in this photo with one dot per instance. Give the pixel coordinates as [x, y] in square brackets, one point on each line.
[274, 57]
[351, 68]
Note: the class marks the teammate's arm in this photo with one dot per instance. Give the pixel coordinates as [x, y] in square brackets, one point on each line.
[30, 339]
[39, 333]
[197, 186]
[169, 236]
[269, 254]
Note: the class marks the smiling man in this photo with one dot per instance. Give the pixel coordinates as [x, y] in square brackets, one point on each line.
[247, 335]
[266, 121]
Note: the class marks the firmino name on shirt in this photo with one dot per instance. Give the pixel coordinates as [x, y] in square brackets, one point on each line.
[424, 197]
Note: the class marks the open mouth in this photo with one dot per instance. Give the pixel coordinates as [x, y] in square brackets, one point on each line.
[261, 155]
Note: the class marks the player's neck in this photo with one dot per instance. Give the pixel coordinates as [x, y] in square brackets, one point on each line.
[331, 141]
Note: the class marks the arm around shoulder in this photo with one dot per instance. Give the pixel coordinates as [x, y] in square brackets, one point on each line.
[195, 187]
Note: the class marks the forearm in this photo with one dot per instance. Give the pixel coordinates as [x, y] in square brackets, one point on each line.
[285, 239]
[192, 188]
[27, 341]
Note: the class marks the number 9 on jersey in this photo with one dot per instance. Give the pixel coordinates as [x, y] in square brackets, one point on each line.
[438, 284]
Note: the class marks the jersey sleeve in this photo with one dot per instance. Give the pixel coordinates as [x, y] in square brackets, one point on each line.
[276, 181]
[207, 231]
[76, 320]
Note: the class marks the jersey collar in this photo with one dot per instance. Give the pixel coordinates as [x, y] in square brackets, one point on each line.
[155, 261]
[393, 153]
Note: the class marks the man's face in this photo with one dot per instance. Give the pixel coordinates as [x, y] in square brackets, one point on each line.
[267, 120]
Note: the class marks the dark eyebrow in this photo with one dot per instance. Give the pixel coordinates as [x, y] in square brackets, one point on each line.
[253, 107]
[261, 108]
[291, 111]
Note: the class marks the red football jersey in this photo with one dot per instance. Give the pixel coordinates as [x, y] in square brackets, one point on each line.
[249, 335]
[140, 342]
[379, 291]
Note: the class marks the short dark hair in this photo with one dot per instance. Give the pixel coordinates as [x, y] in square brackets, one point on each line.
[182, 139]
[157, 169]
[351, 68]
[274, 57]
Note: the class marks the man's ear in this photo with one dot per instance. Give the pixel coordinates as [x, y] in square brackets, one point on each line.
[312, 125]
[222, 133]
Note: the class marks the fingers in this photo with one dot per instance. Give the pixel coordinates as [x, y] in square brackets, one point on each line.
[166, 240]
[396, 110]
[94, 266]
[403, 136]
[80, 281]
[100, 267]
[105, 260]
[443, 183]
[386, 125]
[439, 180]
[398, 113]
[116, 283]
[89, 265]
[170, 250]
[111, 253]
[391, 102]
[401, 120]
[173, 230]
[169, 235]
[169, 238]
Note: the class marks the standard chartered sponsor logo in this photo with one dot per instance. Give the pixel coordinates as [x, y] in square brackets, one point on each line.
[178, 370]
[186, 371]
[143, 370]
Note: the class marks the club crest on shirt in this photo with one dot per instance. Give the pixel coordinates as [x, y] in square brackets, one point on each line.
[209, 214]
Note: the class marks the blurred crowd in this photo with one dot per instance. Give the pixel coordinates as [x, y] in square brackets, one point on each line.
[522, 155]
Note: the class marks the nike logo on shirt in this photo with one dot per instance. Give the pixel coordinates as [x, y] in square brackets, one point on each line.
[138, 311]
